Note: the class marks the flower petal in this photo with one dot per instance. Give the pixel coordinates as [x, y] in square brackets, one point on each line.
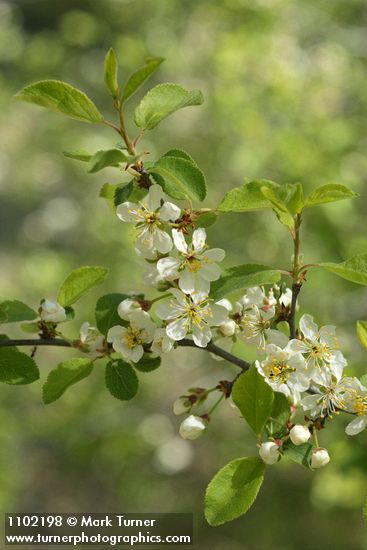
[128, 212]
[179, 241]
[356, 426]
[169, 212]
[308, 327]
[177, 330]
[198, 239]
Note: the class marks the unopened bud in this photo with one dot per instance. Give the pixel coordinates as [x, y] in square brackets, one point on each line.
[181, 406]
[192, 427]
[228, 328]
[299, 434]
[52, 312]
[320, 458]
[269, 452]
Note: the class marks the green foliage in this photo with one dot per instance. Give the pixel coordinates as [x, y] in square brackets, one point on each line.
[14, 311]
[279, 416]
[17, 368]
[329, 193]
[81, 155]
[180, 178]
[298, 453]
[365, 511]
[148, 363]
[179, 153]
[140, 76]
[78, 282]
[254, 397]
[206, 219]
[107, 192]
[354, 269]
[233, 490]
[286, 200]
[66, 374]
[106, 312]
[163, 100]
[30, 328]
[248, 197]
[241, 277]
[121, 380]
[63, 98]
[110, 72]
[362, 332]
[110, 157]
[123, 192]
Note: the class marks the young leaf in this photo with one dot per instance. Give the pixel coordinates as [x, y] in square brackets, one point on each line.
[179, 153]
[298, 453]
[287, 201]
[83, 156]
[233, 490]
[17, 368]
[63, 98]
[329, 193]
[247, 198]
[78, 282]
[180, 178]
[107, 192]
[354, 269]
[66, 374]
[13, 311]
[121, 380]
[140, 76]
[106, 312]
[206, 219]
[241, 277]
[110, 157]
[110, 72]
[362, 332]
[123, 192]
[148, 363]
[163, 100]
[254, 397]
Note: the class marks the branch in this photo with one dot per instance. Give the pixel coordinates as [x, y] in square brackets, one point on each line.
[216, 350]
[35, 342]
[296, 287]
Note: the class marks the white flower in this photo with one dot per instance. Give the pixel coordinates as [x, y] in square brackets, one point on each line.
[91, 337]
[299, 434]
[284, 370]
[195, 265]
[269, 452]
[356, 402]
[255, 296]
[319, 458]
[129, 340]
[330, 400]
[285, 298]
[162, 343]
[320, 348]
[52, 312]
[192, 427]
[150, 216]
[181, 406]
[223, 334]
[255, 324]
[191, 315]
[126, 307]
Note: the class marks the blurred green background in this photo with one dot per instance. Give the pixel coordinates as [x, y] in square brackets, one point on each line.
[285, 99]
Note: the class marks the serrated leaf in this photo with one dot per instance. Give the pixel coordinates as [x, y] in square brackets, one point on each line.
[241, 277]
[107, 192]
[206, 219]
[80, 281]
[298, 453]
[109, 157]
[63, 98]
[14, 311]
[110, 72]
[66, 374]
[106, 312]
[123, 192]
[287, 201]
[140, 76]
[121, 380]
[17, 368]
[354, 269]
[254, 398]
[179, 153]
[180, 178]
[247, 198]
[163, 100]
[280, 414]
[362, 332]
[148, 363]
[331, 192]
[81, 155]
[233, 490]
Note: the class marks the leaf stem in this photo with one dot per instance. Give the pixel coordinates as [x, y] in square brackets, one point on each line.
[296, 286]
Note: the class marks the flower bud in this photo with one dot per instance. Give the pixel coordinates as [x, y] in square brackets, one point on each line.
[320, 458]
[269, 452]
[181, 406]
[52, 312]
[228, 328]
[126, 307]
[299, 434]
[192, 427]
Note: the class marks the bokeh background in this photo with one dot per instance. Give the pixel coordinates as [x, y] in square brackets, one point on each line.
[285, 99]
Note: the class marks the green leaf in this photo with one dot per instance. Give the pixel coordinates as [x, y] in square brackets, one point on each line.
[66, 374]
[110, 72]
[121, 380]
[148, 363]
[179, 153]
[331, 192]
[280, 414]
[247, 198]
[30, 328]
[78, 282]
[298, 453]
[363, 380]
[63, 98]
[180, 178]
[17, 368]
[362, 332]
[110, 157]
[233, 490]
[163, 100]
[354, 269]
[140, 76]
[116, 194]
[13, 311]
[287, 201]
[206, 219]
[254, 397]
[241, 277]
[83, 156]
[123, 192]
[106, 312]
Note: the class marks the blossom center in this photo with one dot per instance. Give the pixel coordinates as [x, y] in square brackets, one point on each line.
[132, 337]
[278, 370]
